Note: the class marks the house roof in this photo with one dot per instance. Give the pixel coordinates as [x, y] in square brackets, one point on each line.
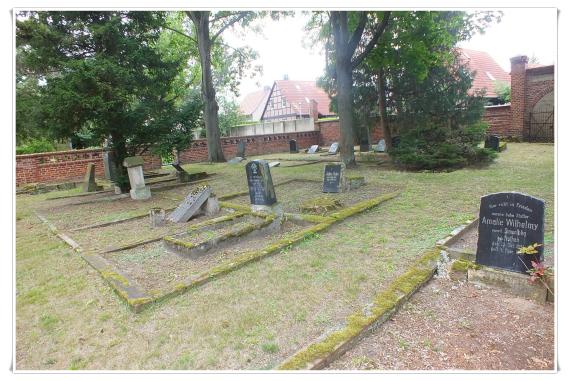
[299, 94]
[253, 101]
[486, 69]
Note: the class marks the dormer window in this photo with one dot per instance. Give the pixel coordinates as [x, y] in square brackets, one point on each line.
[490, 76]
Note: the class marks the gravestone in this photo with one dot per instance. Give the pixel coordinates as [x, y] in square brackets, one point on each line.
[364, 145]
[109, 164]
[333, 150]
[260, 184]
[313, 149]
[89, 184]
[507, 222]
[241, 149]
[181, 174]
[381, 146]
[139, 191]
[191, 204]
[235, 160]
[157, 216]
[274, 164]
[333, 178]
[293, 146]
[492, 142]
[395, 142]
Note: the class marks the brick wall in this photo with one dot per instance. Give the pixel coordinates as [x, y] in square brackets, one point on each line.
[499, 119]
[518, 90]
[539, 82]
[54, 167]
[330, 131]
[254, 145]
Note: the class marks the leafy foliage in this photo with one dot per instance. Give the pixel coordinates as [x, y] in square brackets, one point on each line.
[35, 146]
[103, 71]
[503, 91]
[439, 122]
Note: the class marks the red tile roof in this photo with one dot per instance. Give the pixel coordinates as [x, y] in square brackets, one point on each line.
[487, 71]
[301, 92]
[252, 101]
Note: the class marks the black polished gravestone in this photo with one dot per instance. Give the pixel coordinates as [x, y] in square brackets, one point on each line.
[333, 178]
[492, 142]
[364, 145]
[261, 190]
[507, 222]
[241, 149]
[293, 146]
[396, 142]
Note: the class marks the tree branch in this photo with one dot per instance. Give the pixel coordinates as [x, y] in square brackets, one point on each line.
[372, 43]
[240, 16]
[355, 39]
[182, 33]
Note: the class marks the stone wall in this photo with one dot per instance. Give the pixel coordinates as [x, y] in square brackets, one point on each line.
[61, 166]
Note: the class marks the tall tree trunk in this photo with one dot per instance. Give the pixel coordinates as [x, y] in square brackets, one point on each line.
[382, 106]
[343, 67]
[118, 145]
[202, 22]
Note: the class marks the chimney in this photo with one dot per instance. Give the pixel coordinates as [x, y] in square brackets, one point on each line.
[518, 84]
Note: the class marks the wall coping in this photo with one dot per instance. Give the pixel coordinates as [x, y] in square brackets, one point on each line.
[541, 70]
[498, 106]
[73, 151]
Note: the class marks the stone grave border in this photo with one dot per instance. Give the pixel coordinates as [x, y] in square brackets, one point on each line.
[138, 299]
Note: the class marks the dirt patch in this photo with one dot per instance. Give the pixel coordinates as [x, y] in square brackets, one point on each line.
[455, 325]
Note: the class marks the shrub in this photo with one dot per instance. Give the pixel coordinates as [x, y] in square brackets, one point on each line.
[35, 146]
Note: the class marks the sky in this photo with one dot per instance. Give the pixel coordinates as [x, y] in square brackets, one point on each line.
[281, 47]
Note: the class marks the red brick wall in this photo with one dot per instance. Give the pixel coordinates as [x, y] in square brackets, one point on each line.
[499, 119]
[53, 167]
[537, 87]
[518, 90]
[330, 131]
[254, 145]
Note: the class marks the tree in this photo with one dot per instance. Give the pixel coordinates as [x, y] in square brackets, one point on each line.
[346, 43]
[202, 21]
[102, 70]
[439, 121]
[503, 91]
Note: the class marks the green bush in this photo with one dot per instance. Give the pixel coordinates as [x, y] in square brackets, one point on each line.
[434, 147]
[35, 146]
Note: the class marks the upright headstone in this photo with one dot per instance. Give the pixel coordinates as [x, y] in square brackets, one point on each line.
[89, 184]
[507, 222]
[395, 142]
[492, 142]
[261, 190]
[191, 204]
[333, 149]
[364, 145]
[110, 165]
[157, 216]
[333, 178]
[139, 191]
[241, 149]
[313, 149]
[293, 146]
[381, 146]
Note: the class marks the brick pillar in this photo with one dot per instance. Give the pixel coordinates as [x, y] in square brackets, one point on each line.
[518, 84]
[314, 110]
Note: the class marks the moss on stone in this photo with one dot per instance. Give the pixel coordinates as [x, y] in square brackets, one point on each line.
[110, 274]
[320, 205]
[462, 265]
[384, 304]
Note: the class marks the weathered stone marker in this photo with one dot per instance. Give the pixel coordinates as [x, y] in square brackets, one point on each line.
[293, 146]
[333, 178]
[139, 191]
[191, 204]
[492, 142]
[333, 149]
[313, 149]
[507, 222]
[241, 149]
[235, 160]
[381, 146]
[109, 164]
[260, 184]
[274, 164]
[89, 184]
[181, 174]
[157, 216]
[364, 145]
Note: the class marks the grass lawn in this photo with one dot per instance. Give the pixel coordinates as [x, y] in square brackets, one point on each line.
[67, 317]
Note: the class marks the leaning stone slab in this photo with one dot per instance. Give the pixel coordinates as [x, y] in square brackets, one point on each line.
[89, 184]
[191, 205]
[274, 164]
[235, 160]
[313, 149]
[508, 281]
[134, 165]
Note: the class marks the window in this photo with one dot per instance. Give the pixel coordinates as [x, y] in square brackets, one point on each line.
[490, 76]
[283, 102]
